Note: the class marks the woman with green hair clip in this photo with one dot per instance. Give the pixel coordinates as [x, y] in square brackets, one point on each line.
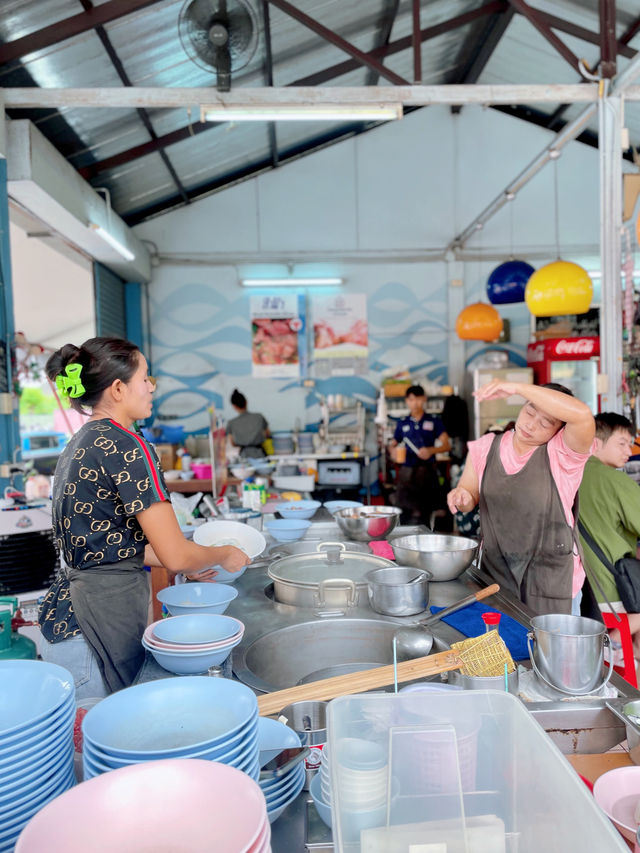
[111, 517]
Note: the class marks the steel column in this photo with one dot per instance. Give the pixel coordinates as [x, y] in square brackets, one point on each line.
[608, 46]
[609, 127]
[9, 424]
[416, 43]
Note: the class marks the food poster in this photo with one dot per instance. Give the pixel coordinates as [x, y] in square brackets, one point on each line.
[340, 335]
[278, 344]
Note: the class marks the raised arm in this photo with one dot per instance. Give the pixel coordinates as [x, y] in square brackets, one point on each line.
[580, 425]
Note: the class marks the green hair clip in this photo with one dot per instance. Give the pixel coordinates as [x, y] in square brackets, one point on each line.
[70, 385]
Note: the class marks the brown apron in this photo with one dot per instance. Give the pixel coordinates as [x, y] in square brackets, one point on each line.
[528, 545]
[111, 607]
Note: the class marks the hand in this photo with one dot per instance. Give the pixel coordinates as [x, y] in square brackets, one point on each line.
[496, 389]
[425, 453]
[231, 559]
[201, 575]
[460, 500]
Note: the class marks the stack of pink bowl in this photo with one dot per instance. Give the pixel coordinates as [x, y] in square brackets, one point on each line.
[187, 805]
[190, 644]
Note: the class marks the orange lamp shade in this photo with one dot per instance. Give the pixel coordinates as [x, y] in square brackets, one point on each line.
[559, 288]
[479, 322]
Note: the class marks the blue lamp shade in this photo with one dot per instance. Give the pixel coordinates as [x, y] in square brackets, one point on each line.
[508, 281]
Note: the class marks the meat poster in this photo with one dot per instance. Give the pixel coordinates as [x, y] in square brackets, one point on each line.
[340, 335]
[278, 348]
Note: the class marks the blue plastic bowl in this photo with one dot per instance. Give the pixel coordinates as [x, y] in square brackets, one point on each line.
[298, 509]
[287, 529]
[30, 692]
[316, 795]
[334, 506]
[196, 628]
[190, 663]
[170, 717]
[196, 598]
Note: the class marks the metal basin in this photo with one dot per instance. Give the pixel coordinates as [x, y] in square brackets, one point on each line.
[368, 523]
[325, 647]
[446, 557]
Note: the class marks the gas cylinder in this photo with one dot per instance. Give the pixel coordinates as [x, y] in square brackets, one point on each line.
[12, 644]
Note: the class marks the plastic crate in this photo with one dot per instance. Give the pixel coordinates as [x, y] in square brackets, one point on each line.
[455, 762]
[339, 472]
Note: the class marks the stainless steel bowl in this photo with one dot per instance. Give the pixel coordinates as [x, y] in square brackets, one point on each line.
[446, 557]
[367, 523]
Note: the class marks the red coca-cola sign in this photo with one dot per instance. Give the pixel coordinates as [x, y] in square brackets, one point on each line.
[572, 348]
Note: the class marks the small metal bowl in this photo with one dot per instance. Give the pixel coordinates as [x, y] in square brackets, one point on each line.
[367, 523]
[446, 557]
[398, 590]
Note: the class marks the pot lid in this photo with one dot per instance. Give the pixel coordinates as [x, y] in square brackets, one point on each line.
[312, 569]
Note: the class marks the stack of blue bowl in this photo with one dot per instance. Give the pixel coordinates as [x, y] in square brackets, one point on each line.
[191, 717]
[280, 791]
[37, 714]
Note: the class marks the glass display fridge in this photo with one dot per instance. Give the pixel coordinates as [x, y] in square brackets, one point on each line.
[573, 362]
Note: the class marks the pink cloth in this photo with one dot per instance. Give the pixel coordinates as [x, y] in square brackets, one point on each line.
[382, 549]
[566, 468]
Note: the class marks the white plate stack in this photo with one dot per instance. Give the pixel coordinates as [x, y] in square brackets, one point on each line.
[192, 717]
[279, 791]
[37, 713]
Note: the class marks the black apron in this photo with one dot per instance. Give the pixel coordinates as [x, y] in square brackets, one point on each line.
[111, 606]
[528, 545]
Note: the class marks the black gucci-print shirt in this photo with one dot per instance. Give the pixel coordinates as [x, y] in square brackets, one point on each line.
[105, 475]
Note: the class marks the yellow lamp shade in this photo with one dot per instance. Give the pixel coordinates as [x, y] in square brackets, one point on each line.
[479, 322]
[559, 288]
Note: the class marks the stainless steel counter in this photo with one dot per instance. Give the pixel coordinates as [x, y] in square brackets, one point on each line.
[580, 725]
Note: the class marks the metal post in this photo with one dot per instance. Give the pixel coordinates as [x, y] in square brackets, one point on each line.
[9, 426]
[609, 128]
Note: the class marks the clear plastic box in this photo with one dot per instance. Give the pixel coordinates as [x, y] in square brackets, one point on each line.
[461, 772]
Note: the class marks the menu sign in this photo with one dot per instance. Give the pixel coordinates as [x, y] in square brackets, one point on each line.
[340, 335]
[278, 346]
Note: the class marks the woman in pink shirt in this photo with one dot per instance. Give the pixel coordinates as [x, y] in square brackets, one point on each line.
[525, 482]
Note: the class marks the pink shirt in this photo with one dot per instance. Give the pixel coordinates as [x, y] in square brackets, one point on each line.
[566, 468]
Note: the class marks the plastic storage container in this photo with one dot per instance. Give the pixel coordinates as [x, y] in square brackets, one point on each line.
[451, 762]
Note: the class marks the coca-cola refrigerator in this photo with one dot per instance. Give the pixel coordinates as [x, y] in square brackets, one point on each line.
[573, 362]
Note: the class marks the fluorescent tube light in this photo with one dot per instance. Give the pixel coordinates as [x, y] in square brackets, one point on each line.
[127, 254]
[301, 112]
[291, 282]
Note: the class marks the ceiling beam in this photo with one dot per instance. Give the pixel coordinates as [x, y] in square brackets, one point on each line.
[70, 27]
[383, 36]
[545, 30]
[143, 115]
[333, 38]
[629, 33]
[416, 44]
[412, 96]
[608, 46]
[479, 47]
[404, 43]
[268, 78]
[589, 36]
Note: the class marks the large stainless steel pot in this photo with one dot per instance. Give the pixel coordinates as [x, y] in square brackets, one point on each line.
[311, 546]
[331, 581]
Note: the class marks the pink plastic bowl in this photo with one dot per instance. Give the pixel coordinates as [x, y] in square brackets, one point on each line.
[126, 810]
[617, 793]
[201, 471]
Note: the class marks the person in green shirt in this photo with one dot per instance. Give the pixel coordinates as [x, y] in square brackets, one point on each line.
[610, 510]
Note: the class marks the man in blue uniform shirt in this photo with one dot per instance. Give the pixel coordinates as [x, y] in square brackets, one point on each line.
[418, 488]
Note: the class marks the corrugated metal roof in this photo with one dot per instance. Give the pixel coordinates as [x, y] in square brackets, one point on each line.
[148, 45]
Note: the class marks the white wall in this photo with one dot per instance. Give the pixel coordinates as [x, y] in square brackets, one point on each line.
[378, 209]
[52, 294]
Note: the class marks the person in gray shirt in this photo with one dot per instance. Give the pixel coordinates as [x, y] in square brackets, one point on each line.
[249, 429]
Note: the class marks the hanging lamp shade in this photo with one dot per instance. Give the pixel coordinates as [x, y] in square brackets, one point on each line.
[507, 282]
[559, 288]
[479, 322]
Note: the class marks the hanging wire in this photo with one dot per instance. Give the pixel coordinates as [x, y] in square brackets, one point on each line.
[511, 206]
[556, 206]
